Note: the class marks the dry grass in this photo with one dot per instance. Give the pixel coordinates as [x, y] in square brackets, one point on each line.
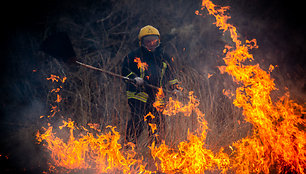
[103, 39]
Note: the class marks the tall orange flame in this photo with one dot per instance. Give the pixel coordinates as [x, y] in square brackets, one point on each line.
[277, 143]
[278, 140]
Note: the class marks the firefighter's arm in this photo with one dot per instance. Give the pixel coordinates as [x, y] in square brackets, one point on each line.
[126, 69]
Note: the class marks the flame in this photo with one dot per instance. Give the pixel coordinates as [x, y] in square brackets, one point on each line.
[101, 152]
[190, 156]
[149, 115]
[159, 100]
[56, 78]
[54, 110]
[227, 93]
[56, 90]
[277, 143]
[141, 65]
[64, 79]
[94, 126]
[153, 127]
[174, 107]
[278, 140]
[209, 75]
[53, 78]
[222, 69]
[58, 98]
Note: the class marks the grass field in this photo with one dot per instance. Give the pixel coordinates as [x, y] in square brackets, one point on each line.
[102, 33]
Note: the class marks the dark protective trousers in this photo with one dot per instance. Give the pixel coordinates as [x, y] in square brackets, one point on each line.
[136, 124]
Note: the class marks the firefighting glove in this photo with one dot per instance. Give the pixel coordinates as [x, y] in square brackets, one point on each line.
[139, 81]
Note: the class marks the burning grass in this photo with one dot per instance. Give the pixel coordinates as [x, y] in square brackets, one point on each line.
[274, 139]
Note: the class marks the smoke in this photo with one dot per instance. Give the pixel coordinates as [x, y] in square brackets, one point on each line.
[103, 32]
[280, 37]
[18, 129]
[23, 100]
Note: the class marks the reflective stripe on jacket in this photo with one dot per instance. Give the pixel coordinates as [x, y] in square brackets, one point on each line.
[157, 73]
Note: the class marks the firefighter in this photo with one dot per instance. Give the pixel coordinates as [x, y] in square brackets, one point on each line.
[147, 64]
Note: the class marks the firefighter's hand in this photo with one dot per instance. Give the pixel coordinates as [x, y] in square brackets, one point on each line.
[139, 81]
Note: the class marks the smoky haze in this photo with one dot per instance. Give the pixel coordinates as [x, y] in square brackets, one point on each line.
[102, 33]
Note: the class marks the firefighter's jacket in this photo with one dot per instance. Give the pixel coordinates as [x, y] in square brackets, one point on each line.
[158, 72]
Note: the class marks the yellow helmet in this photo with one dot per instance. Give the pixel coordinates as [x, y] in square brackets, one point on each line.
[147, 30]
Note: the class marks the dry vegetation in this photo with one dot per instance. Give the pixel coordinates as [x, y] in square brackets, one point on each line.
[106, 37]
[102, 34]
